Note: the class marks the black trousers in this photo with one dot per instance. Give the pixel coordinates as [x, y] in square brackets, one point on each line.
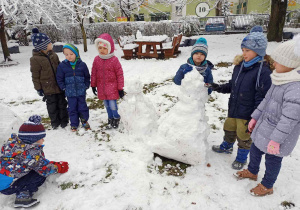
[57, 109]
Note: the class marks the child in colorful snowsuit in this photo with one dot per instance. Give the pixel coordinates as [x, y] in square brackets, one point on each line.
[276, 121]
[23, 166]
[73, 77]
[249, 83]
[107, 78]
[43, 66]
[197, 60]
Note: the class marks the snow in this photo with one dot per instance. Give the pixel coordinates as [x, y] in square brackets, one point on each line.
[109, 169]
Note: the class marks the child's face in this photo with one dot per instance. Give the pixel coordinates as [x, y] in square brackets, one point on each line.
[248, 54]
[198, 57]
[70, 56]
[41, 141]
[103, 50]
[281, 68]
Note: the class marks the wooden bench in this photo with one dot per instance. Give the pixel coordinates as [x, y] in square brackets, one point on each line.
[172, 51]
[129, 48]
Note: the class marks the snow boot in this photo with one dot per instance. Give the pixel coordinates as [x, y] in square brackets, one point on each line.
[241, 159]
[25, 200]
[73, 128]
[261, 190]
[115, 123]
[109, 124]
[225, 147]
[245, 174]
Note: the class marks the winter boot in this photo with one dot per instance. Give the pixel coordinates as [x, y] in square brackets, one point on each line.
[245, 174]
[85, 124]
[109, 123]
[225, 147]
[115, 123]
[73, 128]
[241, 159]
[25, 200]
[261, 190]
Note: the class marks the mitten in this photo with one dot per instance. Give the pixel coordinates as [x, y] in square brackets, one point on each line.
[251, 125]
[273, 147]
[40, 92]
[62, 167]
[121, 93]
[186, 68]
[94, 90]
[215, 87]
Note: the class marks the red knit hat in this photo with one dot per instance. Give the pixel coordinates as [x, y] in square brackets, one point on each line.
[32, 130]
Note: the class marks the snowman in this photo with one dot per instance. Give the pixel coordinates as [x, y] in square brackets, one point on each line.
[183, 131]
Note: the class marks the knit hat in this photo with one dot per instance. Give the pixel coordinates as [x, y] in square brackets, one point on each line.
[200, 46]
[32, 130]
[73, 48]
[256, 41]
[40, 41]
[288, 53]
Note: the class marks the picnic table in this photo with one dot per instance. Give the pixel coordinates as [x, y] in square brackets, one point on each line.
[151, 42]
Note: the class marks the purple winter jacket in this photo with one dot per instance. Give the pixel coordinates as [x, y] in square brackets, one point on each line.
[278, 118]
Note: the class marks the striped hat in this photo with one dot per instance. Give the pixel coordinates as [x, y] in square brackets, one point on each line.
[32, 130]
[256, 41]
[73, 48]
[40, 41]
[200, 46]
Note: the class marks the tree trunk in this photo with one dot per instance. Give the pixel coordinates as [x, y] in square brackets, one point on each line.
[84, 37]
[277, 20]
[5, 50]
[219, 9]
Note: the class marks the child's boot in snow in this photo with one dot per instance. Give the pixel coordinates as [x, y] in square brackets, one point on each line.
[85, 124]
[261, 190]
[225, 147]
[25, 200]
[109, 123]
[245, 174]
[115, 123]
[241, 159]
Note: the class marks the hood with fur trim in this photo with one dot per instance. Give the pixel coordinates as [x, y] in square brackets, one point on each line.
[238, 59]
[106, 39]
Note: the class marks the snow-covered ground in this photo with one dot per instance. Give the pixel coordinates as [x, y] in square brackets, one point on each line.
[115, 170]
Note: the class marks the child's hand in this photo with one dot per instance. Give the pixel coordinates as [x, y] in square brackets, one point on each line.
[40, 92]
[121, 93]
[187, 68]
[273, 147]
[215, 87]
[251, 125]
[94, 90]
[62, 167]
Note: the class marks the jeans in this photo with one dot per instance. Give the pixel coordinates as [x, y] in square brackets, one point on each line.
[30, 182]
[273, 165]
[112, 109]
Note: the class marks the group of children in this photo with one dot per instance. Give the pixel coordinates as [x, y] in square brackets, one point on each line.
[263, 113]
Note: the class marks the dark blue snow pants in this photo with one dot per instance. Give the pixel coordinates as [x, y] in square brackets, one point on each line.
[77, 108]
[273, 165]
[30, 182]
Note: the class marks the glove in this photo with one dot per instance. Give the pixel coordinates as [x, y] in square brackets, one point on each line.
[251, 125]
[94, 90]
[186, 68]
[40, 92]
[215, 87]
[273, 147]
[121, 93]
[62, 167]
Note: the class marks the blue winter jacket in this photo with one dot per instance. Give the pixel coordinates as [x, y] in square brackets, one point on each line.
[245, 95]
[207, 75]
[74, 82]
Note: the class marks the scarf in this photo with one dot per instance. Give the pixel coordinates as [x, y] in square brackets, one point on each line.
[201, 69]
[73, 64]
[253, 61]
[287, 77]
[108, 56]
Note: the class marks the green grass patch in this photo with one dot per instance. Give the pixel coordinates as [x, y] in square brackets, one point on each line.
[95, 103]
[46, 121]
[69, 185]
[147, 88]
[169, 167]
[223, 64]
[287, 204]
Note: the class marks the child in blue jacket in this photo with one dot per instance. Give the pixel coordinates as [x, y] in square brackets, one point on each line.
[74, 78]
[248, 86]
[23, 166]
[197, 60]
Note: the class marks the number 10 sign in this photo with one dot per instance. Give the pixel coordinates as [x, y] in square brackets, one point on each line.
[202, 9]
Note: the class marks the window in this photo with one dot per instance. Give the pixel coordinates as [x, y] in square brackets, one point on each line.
[178, 10]
[139, 17]
[160, 16]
